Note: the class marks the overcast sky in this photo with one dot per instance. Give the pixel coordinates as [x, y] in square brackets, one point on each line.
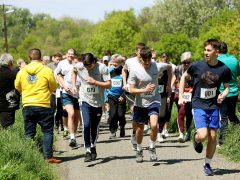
[92, 10]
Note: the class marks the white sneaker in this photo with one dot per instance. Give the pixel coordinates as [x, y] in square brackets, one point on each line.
[180, 138]
[160, 138]
[145, 130]
[166, 134]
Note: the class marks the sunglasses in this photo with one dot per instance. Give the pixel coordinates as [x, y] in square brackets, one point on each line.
[186, 62]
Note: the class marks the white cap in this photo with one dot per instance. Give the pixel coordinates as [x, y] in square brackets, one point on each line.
[106, 58]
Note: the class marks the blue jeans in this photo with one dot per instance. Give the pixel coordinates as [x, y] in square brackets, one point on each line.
[91, 117]
[34, 115]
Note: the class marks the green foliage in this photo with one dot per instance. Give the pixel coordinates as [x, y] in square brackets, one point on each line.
[115, 33]
[231, 144]
[173, 44]
[20, 158]
[52, 36]
[224, 27]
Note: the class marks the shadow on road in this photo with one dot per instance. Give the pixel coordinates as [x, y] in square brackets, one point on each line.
[174, 161]
[70, 158]
[105, 160]
[220, 172]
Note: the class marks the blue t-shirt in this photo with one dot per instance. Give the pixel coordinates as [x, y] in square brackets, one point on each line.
[232, 63]
[116, 81]
[207, 80]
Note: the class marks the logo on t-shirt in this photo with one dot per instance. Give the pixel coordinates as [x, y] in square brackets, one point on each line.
[32, 79]
[210, 78]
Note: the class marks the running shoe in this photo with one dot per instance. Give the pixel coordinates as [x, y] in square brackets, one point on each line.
[153, 154]
[65, 133]
[187, 136]
[160, 138]
[207, 170]
[73, 143]
[93, 153]
[134, 142]
[113, 135]
[166, 134]
[197, 146]
[139, 156]
[145, 130]
[88, 157]
[53, 160]
[180, 138]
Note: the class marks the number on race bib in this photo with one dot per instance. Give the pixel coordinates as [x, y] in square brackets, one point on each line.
[207, 93]
[187, 96]
[148, 94]
[116, 82]
[91, 89]
[160, 88]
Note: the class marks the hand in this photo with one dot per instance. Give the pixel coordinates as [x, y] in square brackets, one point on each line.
[65, 87]
[121, 100]
[74, 90]
[90, 80]
[181, 101]
[220, 98]
[126, 87]
[150, 87]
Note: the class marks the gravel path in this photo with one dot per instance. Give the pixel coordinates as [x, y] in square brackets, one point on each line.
[116, 160]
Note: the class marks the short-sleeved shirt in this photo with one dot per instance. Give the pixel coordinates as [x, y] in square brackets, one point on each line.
[92, 94]
[207, 80]
[65, 69]
[232, 63]
[141, 78]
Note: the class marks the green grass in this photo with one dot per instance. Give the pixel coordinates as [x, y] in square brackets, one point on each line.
[21, 158]
[231, 146]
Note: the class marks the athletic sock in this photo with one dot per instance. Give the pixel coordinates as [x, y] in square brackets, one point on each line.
[72, 136]
[139, 147]
[208, 161]
[152, 144]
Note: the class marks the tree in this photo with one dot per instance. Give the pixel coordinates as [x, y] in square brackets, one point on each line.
[115, 33]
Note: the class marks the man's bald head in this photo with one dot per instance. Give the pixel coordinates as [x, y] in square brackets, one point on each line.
[34, 54]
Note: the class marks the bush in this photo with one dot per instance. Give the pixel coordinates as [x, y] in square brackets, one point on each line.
[231, 144]
[21, 158]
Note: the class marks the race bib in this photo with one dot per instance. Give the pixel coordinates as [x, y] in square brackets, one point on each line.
[116, 82]
[160, 88]
[148, 94]
[187, 96]
[90, 89]
[208, 93]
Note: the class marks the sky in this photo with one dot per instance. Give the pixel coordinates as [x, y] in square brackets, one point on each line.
[92, 10]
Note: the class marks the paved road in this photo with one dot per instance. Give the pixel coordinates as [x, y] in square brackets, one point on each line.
[116, 160]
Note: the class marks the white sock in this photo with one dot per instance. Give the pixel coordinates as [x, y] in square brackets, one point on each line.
[65, 128]
[152, 144]
[208, 161]
[72, 136]
[139, 147]
[88, 149]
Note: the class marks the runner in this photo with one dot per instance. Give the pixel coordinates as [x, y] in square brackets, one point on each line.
[208, 75]
[228, 106]
[184, 110]
[131, 64]
[144, 83]
[63, 73]
[94, 79]
[116, 98]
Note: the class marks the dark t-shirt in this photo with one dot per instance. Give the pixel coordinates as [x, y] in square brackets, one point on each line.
[207, 80]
